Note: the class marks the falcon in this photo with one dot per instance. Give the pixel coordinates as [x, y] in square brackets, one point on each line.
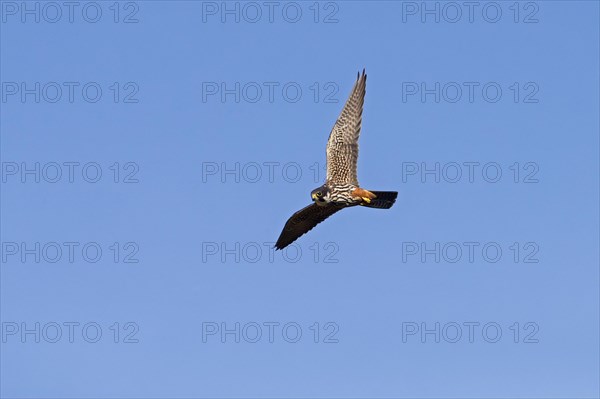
[341, 189]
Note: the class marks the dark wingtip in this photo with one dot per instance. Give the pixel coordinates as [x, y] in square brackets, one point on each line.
[278, 246]
[364, 75]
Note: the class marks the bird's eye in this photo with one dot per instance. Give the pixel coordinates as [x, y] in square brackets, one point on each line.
[319, 193]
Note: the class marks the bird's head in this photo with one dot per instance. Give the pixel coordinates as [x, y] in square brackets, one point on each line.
[320, 195]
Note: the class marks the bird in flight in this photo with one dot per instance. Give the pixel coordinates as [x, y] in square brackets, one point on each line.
[341, 189]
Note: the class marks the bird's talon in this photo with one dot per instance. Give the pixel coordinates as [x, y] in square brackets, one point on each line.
[367, 200]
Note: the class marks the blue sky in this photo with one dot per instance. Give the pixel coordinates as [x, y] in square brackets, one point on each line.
[152, 152]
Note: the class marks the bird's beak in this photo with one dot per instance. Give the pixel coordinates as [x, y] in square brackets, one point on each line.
[314, 196]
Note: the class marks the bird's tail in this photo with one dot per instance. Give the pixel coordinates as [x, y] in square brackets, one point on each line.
[383, 200]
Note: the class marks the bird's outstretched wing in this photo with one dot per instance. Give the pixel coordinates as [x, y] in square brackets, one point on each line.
[303, 221]
[342, 146]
